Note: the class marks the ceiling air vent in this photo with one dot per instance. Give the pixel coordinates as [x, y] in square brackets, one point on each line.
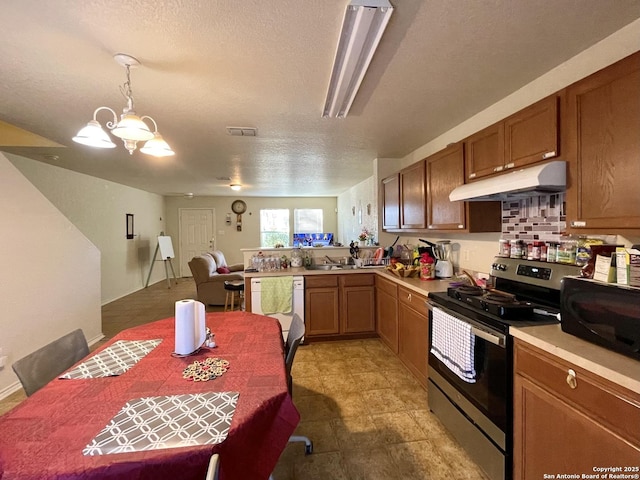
[242, 131]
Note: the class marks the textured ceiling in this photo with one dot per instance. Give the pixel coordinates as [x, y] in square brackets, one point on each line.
[211, 64]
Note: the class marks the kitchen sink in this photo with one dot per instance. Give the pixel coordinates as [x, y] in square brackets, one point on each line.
[331, 266]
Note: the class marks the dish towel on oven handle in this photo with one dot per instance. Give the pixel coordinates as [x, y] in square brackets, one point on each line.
[453, 343]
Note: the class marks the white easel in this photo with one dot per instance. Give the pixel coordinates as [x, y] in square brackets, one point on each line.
[166, 253]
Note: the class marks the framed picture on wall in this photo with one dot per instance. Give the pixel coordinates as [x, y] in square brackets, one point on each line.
[129, 226]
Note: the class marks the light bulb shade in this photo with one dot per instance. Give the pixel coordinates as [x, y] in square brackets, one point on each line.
[235, 186]
[131, 127]
[157, 147]
[94, 136]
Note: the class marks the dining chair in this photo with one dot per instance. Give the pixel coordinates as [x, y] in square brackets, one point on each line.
[40, 367]
[296, 332]
[214, 466]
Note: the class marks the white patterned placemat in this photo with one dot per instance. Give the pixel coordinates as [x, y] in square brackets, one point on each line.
[114, 360]
[153, 423]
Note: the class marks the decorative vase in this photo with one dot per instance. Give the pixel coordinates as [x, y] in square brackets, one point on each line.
[362, 243]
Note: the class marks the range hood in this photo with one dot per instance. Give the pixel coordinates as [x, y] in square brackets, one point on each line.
[527, 182]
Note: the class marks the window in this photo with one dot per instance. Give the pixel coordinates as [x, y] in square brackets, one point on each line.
[274, 227]
[307, 220]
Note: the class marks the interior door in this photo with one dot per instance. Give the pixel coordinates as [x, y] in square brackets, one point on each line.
[196, 235]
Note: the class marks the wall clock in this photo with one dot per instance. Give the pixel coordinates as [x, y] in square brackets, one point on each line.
[238, 207]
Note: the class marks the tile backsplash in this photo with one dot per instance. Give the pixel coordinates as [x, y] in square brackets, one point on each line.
[534, 218]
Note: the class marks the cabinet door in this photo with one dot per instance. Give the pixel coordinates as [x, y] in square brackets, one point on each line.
[603, 142]
[485, 152]
[413, 333]
[531, 135]
[321, 310]
[358, 310]
[387, 312]
[445, 171]
[412, 197]
[567, 419]
[391, 202]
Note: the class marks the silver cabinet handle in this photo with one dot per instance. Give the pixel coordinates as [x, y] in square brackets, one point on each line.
[498, 169]
[510, 165]
[572, 381]
[548, 155]
[578, 223]
[472, 175]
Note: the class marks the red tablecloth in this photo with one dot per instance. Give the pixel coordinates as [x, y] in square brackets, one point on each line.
[43, 437]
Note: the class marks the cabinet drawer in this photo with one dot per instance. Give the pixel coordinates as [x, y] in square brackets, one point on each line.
[612, 405]
[413, 300]
[387, 286]
[358, 280]
[320, 281]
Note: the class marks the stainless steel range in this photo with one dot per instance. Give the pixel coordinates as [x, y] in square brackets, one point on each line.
[471, 354]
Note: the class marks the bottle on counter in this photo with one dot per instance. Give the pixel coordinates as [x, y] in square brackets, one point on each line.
[504, 248]
[566, 252]
[552, 251]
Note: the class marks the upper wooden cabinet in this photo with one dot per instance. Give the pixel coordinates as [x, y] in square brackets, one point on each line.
[391, 202]
[485, 152]
[526, 137]
[531, 135]
[603, 146]
[445, 171]
[413, 197]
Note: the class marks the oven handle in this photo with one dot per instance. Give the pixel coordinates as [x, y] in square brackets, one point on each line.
[479, 331]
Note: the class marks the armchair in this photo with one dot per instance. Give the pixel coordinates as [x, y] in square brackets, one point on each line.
[206, 270]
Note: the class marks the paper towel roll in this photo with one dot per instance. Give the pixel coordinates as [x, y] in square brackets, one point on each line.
[190, 327]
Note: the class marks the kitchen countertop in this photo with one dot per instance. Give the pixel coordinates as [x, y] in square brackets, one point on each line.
[624, 371]
[419, 286]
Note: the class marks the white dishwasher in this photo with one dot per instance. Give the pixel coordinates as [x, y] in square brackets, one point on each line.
[284, 318]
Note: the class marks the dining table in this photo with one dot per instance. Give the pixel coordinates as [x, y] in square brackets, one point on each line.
[159, 417]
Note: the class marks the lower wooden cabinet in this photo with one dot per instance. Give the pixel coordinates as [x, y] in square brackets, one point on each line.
[321, 305]
[387, 312]
[340, 305]
[413, 332]
[568, 421]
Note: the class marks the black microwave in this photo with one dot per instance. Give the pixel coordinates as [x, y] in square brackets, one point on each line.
[602, 313]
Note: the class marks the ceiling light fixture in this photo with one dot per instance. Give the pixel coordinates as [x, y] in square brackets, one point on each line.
[363, 26]
[131, 128]
[235, 186]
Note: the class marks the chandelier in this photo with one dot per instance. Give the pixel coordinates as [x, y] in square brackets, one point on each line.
[131, 128]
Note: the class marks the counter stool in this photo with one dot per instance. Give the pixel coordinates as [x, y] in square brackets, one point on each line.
[232, 287]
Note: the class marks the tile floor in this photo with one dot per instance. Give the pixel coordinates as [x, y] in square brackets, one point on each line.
[366, 414]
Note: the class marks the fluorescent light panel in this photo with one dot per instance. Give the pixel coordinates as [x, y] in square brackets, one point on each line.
[363, 26]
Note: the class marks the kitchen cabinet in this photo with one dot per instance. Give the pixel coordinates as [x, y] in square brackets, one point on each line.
[445, 172]
[357, 303]
[413, 332]
[412, 197]
[387, 312]
[526, 137]
[531, 135]
[340, 306]
[603, 121]
[321, 305]
[568, 420]
[485, 152]
[391, 202]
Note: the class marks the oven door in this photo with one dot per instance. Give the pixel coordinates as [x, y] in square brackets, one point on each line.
[486, 397]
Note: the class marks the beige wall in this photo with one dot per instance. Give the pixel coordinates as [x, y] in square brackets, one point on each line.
[356, 199]
[50, 277]
[97, 208]
[228, 239]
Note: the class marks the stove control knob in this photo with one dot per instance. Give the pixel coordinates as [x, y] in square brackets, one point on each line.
[499, 266]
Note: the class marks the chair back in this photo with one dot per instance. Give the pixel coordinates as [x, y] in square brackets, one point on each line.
[40, 367]
[296, 332]
[214, 466]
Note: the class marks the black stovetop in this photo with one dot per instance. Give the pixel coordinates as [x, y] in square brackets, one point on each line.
[462, 307]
